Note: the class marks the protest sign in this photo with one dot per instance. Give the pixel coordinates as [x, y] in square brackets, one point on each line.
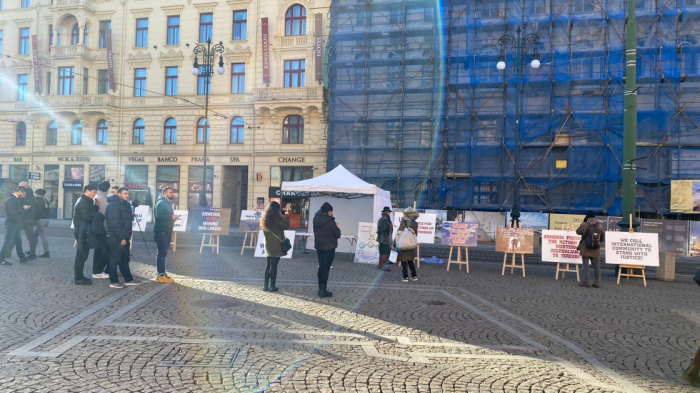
[673, 235]
[560, 247]
[461, 234]
[181, 222]
[565, 221]
[514, 240]
[211, 221]
[260, 248]
[141, 213]
[440, 217]
[426, 227]
[367, 250]
[250, 221]
[624, 248]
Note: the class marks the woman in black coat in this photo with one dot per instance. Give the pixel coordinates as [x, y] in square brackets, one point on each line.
[273, 223]
[326, 235]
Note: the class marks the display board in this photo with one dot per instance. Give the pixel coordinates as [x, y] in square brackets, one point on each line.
[565, 221]
[211, 221]
[440, 217]
[141, 213]
[426, 227]
[462, 234]
[673, 234]
[695, 238]
[560, 247]
[639, 249]
[250, 220]
[536, 221]
[180, 224]
[260, 248]
[514, 240]
[367, 250]
[685, 196]
[488, 222]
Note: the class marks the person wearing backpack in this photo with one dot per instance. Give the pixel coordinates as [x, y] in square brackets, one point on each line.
[592, 235]
[406, 243]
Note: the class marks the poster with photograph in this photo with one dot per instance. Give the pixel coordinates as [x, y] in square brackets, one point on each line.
[488, 222]
[695, 238]
[461, 234]
[514, 240]
[426, 227]
[440, 217]
[560, 247]
[181, 222]
[97, 173]
[561, 222]
[536, 221]
[260, 249]
[141, 215]
[673, 234]
[685, 196]
[367, 250]
[250, 221]
[639, 249]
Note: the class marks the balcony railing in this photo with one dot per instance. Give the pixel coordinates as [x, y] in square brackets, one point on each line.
[294, 93]
[73, 101]
[64, 3]
[72, 51]
[298, 41]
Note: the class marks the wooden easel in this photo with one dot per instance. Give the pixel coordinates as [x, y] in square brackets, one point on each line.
[213, 243]
[250, 242]
[631, 268]
[459, 261]
[173, 241]
[512, 264]
[564, 268]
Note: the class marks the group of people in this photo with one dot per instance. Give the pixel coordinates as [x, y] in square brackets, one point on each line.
[26, 211]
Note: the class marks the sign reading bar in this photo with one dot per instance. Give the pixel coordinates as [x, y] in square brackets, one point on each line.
[318, 46]
[110, 59]
[560, 247]
[265, 51]
[35, 63]
[640, 249]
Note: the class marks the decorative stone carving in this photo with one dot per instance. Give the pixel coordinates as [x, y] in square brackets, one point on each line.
[140, 55]
[169, 101]
[171, 54]
[237, 49]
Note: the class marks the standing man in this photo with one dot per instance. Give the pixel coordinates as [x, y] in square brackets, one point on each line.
[43, 212]
[113, 190]
[118, 217]
[14, 214]
[384, 231]
[163, 230]
[29, 220]
[592, 235]
[326, 235]
[100, 257]
[82, 217]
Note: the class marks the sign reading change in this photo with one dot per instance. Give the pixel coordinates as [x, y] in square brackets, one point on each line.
[640, 249]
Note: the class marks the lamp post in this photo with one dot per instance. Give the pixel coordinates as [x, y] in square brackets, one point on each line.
[207, 54]
[520, 45]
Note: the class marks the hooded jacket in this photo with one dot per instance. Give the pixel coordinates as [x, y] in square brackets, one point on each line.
[326, 232]
[118, 216]
[82, 213]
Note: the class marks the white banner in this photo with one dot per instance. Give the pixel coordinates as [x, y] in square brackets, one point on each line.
[260, 249]
[367, 249]
[426, 227]
[181, 223]
[624, 248]
[561, 247]
[141, 215]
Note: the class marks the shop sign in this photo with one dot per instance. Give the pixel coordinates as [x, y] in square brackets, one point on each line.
[17, 159]
[200, 159]
[291, 159]
[234, 159]
[266, 50]
[73, 159]
[136, 186]
[167, 159]
[276, 192]
[34, 175]
[72, 184]
[137, 159]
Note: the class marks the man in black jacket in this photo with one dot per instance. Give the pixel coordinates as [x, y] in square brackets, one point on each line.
[119, 221]
[326, 235]
[29, 220]
[82, 217]
[14, 215]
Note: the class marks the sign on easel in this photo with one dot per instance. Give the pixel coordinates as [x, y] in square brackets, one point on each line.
[624, 248]
[514, 241]
[426, 227]
[562, 247]
[260, 249]
[141, 214]
[180, 225]
[459, 235]
[367, 250]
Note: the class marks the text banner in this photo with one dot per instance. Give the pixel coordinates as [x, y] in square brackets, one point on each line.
[624, 248]
[560, 247]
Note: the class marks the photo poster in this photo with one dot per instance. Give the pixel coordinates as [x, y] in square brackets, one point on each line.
[181, 222]
[440, 217]
[250, 221]
[488, 222]
[685, 196]
[426, 227]
[141, 214]
[561, 247]
[260, 249]
[638, 249]
[460, 234]
[695, 238]
[211, 221]
[536, 221]
[673, 234]
[559, 222]
[367, 250]
[514, 240]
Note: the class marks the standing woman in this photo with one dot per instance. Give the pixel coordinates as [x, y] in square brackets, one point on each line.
[273, 223]
[326, 235]
[406, 257]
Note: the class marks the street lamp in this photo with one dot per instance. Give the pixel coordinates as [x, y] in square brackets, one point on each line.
[520, 45]
[207, 55]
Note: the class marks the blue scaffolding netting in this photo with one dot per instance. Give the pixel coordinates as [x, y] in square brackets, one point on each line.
[418, 107]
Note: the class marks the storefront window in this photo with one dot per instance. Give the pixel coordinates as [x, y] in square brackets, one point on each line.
[136, 180]
[296, 206]
[19, 173]
[52, 177]
[195, 185]
[75, 172]
[168, 176]
[97, 173]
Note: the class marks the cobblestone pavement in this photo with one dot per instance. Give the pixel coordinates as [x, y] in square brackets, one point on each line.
[214, 330]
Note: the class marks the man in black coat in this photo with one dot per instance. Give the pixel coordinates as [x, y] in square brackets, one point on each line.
[119, 221]
[29, 220]
[14, 216]
[326, 235]
[82, 217]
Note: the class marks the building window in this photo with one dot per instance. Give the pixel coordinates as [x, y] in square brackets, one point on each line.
[104, 26]
[1, 41]
[171, 81]
[240, 24]
[295, 20]
[102, 128]
[139, 82]
[51, 134]
[237, 131]
[170, 132]
[85, 36]
[74, 34]
[76, 133]
[139, 136]
[85, 81]
[52, 176]
[196, 172]
[206, 22]
[2, 5]
[169, 176]
[202, 80]
[485, 194]
[96, 173]
[66, 80]
[202, 128]
[22, 87]
[294, 73]
[142, 32]
[173, 30]
[238, 78]
[26, 3]
[19, 173]
[102, 82]
[21, 134]
[24, 41]
[293, 129]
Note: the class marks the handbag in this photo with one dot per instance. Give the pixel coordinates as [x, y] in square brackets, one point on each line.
[406, 240]
[285, 244]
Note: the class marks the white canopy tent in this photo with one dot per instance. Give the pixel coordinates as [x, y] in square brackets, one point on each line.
[353, 199]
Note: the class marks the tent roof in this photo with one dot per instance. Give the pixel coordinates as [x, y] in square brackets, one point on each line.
[337, 181]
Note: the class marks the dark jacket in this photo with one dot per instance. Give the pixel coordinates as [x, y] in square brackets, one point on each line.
[164, 216]
[42, 208]
[97, 235]
[29, 215]
[14, 211]
[119, 217]
[82, 213]
[583, 230]
[384, 230]
[326, 232]
[407, 255]
[273, 245]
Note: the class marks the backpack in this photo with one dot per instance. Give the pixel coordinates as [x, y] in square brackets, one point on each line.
[406, 240]
[593, 237]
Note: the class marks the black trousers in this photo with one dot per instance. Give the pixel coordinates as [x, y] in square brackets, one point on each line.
[325, 260]
[408, 264]
[100, 257]
[12, 239]
[271, 271]
[28, 229]
[82, 251]
[118, 256]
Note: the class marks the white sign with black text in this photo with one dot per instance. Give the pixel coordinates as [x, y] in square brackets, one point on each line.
[624, 248]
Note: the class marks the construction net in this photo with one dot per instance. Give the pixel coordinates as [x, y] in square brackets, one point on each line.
[418, 107]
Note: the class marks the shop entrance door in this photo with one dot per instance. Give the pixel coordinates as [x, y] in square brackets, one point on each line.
[235, 191]
[70, 197]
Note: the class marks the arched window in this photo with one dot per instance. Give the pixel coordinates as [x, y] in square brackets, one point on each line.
[74, 34]
[170, 132]
[76, 133]
[21, 139]
[102, 128]
[396, 190]
[51, 133]
[295, 20]
[139, 135]
[237, 130]
[85, 36]
[293, 129]
[202, 129]
[485, 194]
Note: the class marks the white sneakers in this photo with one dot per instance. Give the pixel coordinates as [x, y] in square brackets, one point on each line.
[100, 276]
